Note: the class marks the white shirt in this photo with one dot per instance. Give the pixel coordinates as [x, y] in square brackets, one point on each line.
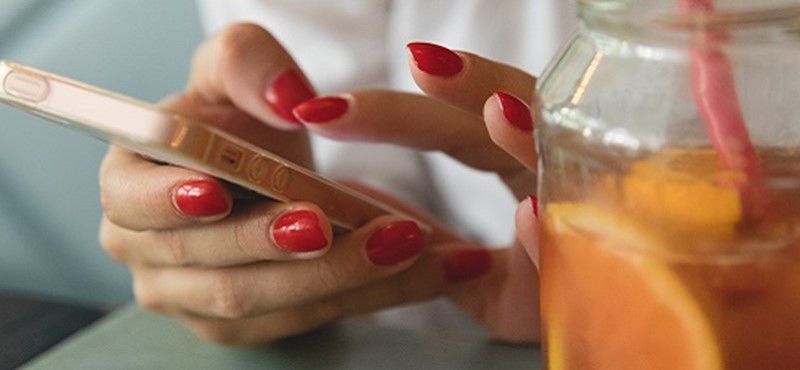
[361, 43]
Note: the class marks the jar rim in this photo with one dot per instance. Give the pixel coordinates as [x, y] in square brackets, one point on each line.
[722, 18]
[674, 16]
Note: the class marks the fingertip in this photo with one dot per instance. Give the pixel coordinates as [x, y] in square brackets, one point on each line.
[301, 232]
[466, 265]
[201, 199]
[516, 112]
[435, 60]
[394, 242]
[510, 123]
[534, 205]
[322, 110]
[527, 213]
[527, 225]
[285, 92]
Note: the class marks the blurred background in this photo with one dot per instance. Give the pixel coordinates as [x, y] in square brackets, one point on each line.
[49, 203]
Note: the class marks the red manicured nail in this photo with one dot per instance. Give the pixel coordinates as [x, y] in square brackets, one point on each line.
[321, 110]
[299, 231]
[287, 91]
[515, 110]
[466, 265]
[534, 204]
[395, 243]
[200, 198]
[436, 60]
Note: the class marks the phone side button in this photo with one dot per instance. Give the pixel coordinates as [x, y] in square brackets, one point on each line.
[258, 169]
[281, 178]
[26, 87]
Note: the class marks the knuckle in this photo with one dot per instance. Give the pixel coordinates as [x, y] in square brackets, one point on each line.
[328, 311]
[103, 180]
[177, 250]
[243, 31]
[124, 204]
[239, 39]
[242, 239]
[111, 242]
[221, 57]
[333, 277]
[145, 297]
[228, 297]
[108, 207]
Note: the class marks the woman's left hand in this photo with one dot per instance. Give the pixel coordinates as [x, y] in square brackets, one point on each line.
[474, 110]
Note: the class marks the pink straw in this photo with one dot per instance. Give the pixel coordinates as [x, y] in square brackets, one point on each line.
[714, 91]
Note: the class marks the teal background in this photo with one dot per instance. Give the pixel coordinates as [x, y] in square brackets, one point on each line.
[49, 202]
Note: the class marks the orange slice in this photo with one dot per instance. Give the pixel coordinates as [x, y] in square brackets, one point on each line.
[686, 191]
[606, 305]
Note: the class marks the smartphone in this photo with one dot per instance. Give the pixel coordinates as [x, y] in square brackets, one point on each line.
[171, 138]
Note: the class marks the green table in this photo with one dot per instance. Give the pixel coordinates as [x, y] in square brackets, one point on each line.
[132, 338]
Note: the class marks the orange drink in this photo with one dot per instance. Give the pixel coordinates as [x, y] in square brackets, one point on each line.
[669, 187]
[652, 264]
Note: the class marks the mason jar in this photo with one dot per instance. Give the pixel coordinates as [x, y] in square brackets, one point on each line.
[669, 187]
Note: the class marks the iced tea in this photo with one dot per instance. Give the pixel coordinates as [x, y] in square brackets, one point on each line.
[648, 262]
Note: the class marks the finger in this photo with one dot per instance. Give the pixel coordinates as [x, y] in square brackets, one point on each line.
[139, 194]
[438, 232]
[463, 79]
[246, 66]
[263, 231]
[509, 123]
[383, 247]
[409, 120]
[426, 280]
[526, 221]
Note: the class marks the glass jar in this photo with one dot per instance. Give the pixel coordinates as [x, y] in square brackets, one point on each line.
[669, 186]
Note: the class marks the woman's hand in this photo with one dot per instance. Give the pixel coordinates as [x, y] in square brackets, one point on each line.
[475, 111]
[245, 271]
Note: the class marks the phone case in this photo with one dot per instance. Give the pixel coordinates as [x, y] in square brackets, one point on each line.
[171, 138]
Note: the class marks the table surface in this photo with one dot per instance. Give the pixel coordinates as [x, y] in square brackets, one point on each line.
[132, 338]
[30, 325]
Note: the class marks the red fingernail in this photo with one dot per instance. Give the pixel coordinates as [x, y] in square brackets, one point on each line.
[395, 243]
[435, 59]
[299, 231]
[321, 110]
[287, 91]
[515, 110]
[466, 265]
[534, 204]
[200, 198]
